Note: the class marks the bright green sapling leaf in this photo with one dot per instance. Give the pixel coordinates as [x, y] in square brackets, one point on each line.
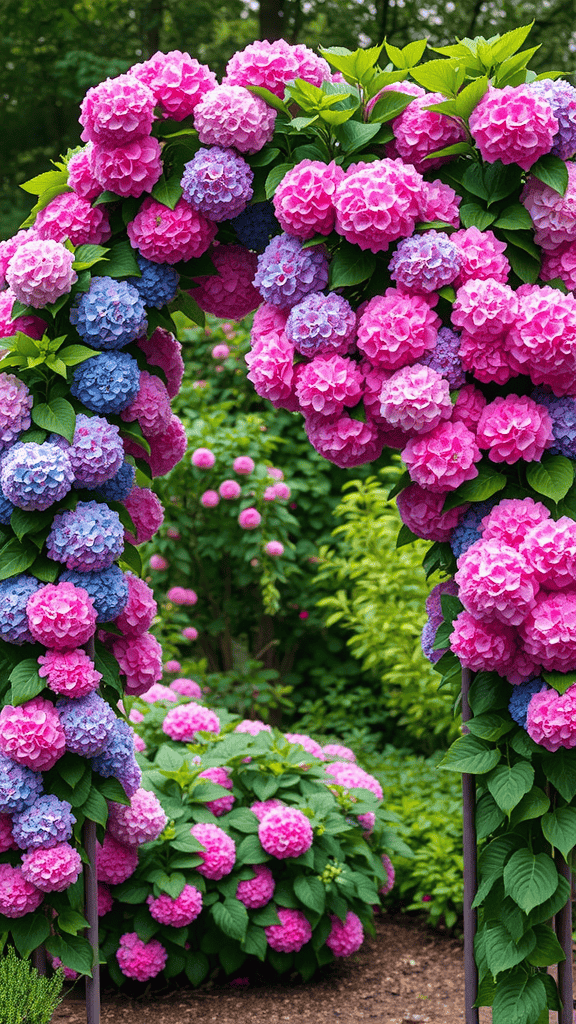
[552, 477]
[530, 878]
[470, 754]
[509, 783]
[559, 828]
[552, 171]
[502, 952]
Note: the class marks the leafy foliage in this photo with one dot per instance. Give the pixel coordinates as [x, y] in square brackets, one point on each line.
[26, 997]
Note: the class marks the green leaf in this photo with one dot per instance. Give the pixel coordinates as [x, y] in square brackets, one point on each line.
[243, 820]
[132, 558]
[106, 664]
[275, 177]
[71, 921]
[492, 861]
[255, 942]
[548, 950]
[85, 256]
[405, 536]
[509, 783]
[470, 754]
[122, 261]
[56, 416]
[75, 953]
[550, 907]
[188, 305]
[474, 215]
[519, 999]
[559, 828]
[552, 171]
[525, 266]
[266, 915]
[250, 851]
[311, 892]
[42, 182]
[488, 482]
[501, 950]
[470, 96]
[443, 76]
[515, 218]
[354, 135]
[168, 190]
[26, 683]
[351, 266]
[16, 558]
[553, 476]
[487, 693]
[509, 42]
[389, 106]
[269, 97]
[488, 816]
[560, 770]
[197, 967]
[29, 932]
[231, 917]
[95, 807]
[533, 805]
[490, 727]
[559, 681]
[74, 354]
[530, 878]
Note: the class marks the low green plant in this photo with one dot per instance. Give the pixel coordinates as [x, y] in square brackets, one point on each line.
[25, 996]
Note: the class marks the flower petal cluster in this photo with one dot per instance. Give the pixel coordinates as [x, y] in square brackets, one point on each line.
[483, 256]
[229, 115]
[81, 176]
[445, 358]
[106, 383]
[31, 734]
[549, 630]
[108, 589]
[222, 804]
[258, 891]
[117, 110]
[32, 326]
[177, 81]
[271, 366]
[378, 202]
[177, 912]
[521, 697]
[182, 723]
[6, 837]
[142, 821]
[513, 428]
[96, 453]
[304, 199]
[426, 263]
[351, 776]
[118, 487]
[87, 538]
[166, 449]
[551, 718]
[553, 215]
[34, 476]
[563, 415]
[484, 306]
[496, 582]
[486, 356]
[293, 932]
[395, 329]
[140, 661]
[187, 687]
[273, 65]
[138, 959]
[229, 292]
[338, 752]
[46, 822]
[218, 183]
[443, 458]
[415, 399]
[53, 869]
[163, 235]
[514, 125]
[347, 936]
[61, 616]
[117, 759]
[306, 742]
[418, 132]
[322, 325]
[129, 169]
[88, 724]
[70, 216]
[70, 673]
[151, 407]
[421, 511]
[19, 786]
[157, 284]
[562, 98]
[219, 853]
[14, 594]
[327, 384]
[287, 272]
[140, 609]
[510, 520]
[9, 246]
[18, 896]
[542, 340]
[285, 832]
[40, 272]
[343, 440]
[146, 512]
[110, 314]
[256, 225]
[482, 646]
[252, 726]
[469, 528]
[115, 861]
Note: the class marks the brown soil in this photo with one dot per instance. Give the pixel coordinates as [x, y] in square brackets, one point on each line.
[408, 974]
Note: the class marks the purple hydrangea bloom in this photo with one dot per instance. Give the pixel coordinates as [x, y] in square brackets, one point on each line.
[322, 325]
[96, 452]
[14, 594]
[287, 272]
[434, 599]
[15, 405]
[218, 183]
[425, 263]
[110, 314]
[562, 98]
[444, 358]
[521, 697]
[118, 760]
[158, 283]
[88, 724]
[563, 415]
[108, 589]
[119, 486]
[47, 822]
[468, 530]
[35, 476]
[427, 641]
[107, 383]
[6, 510]
[88, 537]
[19, 786]
[256, 226]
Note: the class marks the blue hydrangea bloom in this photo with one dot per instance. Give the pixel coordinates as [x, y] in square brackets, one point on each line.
[6, 510]
[256, 226]
[218, 183]
[118, 760]
[119, 486]
[88, 724]
[19, 786]
[88, 537]
[562, 98]
[521, 697]
[425, 263]
[108, 589]
[107, 383]
[14, 594]
[110, 314]
[444, 358]
[158, 283]
[287, 272]
[563, 415]
[35, 476]
[45, 823]
[467, 532]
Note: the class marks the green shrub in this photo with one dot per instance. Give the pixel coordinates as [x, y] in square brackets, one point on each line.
[25, 996]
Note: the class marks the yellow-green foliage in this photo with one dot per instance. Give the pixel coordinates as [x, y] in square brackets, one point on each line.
[377, 596]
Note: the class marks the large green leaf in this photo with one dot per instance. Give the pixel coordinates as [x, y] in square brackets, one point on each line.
[491, 863]
[231, 917]
[552, 171]
[553, 476]
[16, 558]
[490, 726]
[75, 952]
[56, 416]
[547, 950]
[487, 482]
[311, 892]
[26, 683]
[29, 932]
[530, 878]
[509, 783]
[487, 693]
[470, 754]
[559, 828]
[351, 266]
[520, 998]
[488, 816]
[501, 950]
[560, 770]
[533, 805]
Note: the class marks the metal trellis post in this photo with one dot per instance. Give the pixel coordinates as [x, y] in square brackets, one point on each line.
[469, 849]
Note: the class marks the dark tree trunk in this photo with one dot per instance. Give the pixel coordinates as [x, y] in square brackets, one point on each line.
[153, 26]
[271, 19]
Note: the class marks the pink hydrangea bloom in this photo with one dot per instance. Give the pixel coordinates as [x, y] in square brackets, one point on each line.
[33, 326]
[522, 668]
[262, 807]
[182, 595]
[157, 692]
[550, 549]
[105, 899]
[221, 805]
[168, 236]
[468, 407]
[179, 911]
[486, 356]
[328, 383]
[343, 440]
[53, 869]
[496, 582]
[229, 115]
[203, 458]
[141, 821]
[285, 832]
[483, 255]
[542, 341]
[187, 687]
[249, 519]
[293, 932]
[229, 292]
[164, 350]
[347, 936]
[151, 407]
[115, 861]
[173, 666]
[421, 511]
[167, 448]
[338, 752]
[252, 726]
[274, 548]
[549, 631]
[117, 111]
[273, 65]
[243, 465]
[68, 972]
[444, 458]
[512, 518]
[378, 202]
[351, 776]
[439, 202]
[17, 895]
[209, 499]
[270, 363]
[514, 125]
[554, 216]
[158, 562]
[69, 216]
[484, 306]
[6, 837]
[139, 610]
[61, 616]
[140, 661]
[40, 272]
[220, 351]
[81, 176]
[390, 875]
[182, 723]
[415, 399]
[419, 132]
[176, 80]
[258, 891]
[514, 428]
[551, 719]
[304, 199]
[138, 959]
[9, 246]
[139, 744]
[306, 742]
[219, 854]
[482, 646]
[396, 328]
[69, 672]
[145, 511]
[560, 264]
[230, 489]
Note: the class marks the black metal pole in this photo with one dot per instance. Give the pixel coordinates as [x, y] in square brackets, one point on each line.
[564, 935]
[39, 958]
[91, 913]
[470, 881]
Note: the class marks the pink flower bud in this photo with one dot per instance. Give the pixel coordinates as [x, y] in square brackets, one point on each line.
[209, 499]
[243, 464]
[220, 352]
[274, 547]
[249, 519]
[203, 458]
[230, 489]
[190, 633]
[158, 563]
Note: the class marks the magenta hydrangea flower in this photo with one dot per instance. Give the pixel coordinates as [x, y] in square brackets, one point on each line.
[512, 518]
[293, 932]
[322, 325]
[31, 734]
[117, 110]
[146, 512]
[378, 202]
[243, 465]
[61, 616]
[415, 399]
[425, 263]
[304, 199]
[549, 631]
[219, 853]
[421, 511]
[140, 609]
[551, 719]
[182, 723]
[40, 272]
[70, 673]
[439, 202]
[347, 936]
[6, 837]
[130, 169]
[443, 458]
[151, 407]
[229, 489]
[258, 891]
[218, 183]
[15, 405]
[230, 291]
[285, 832]
[306, 742]
[351, 776]
[514, 125]
[176, 80]
[163, 235]
[514, 428]
[179, 911]
[273, 65]
[53, 869]
[18, 896]
[496, 582]
[229, 115]
[554, 215]
[249, 519]
[166, 449]
[390, 875]
[81, 176]
[105, 899]
[252, 726]
[484, 306]
[542, 340]
[328, 383]
[271, 370]
[274, 548]
[70, 216]
[550, 548]
[140, 822]
[88, 538]
[468, 406]
[203, 458]
[486, 356]
[482, 646]
[9, 246]
[261, 807]
[287, 272]
[187, 687]
[140, 661]
[209, 499]
[33, 326]
[222, 804]
[395, 329]
[115, 862]
[483, 256]
[561, 263]
[343, 440]
[138, 959]
[418, 132]
[157, 692]
[164, 350]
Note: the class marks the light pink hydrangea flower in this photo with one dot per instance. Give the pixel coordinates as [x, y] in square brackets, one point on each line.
[157, 692]
[40, 272]
[560, 264]
[511, 519]
[554, 215]
[252, 726]
[347, 936]
[416, 399]
[70, 216]
[261, 807]
[351, 776]
[468, 406]
[345, 441]
[513, 428]
[151, 407]
[230, 489]
[168, 236]
[140, 609]
[53, 869]
[482, 646]
[219, 853]
[70, 673]
[486, 356]
[229, 292]
[304, 199]
[179, 911]
[17, 895]
[176, 80]
[378, 202]
[338, 752]
[421, 511]
[9, 246]
[182, 723]
[229, 115]
[551, 719]
[514, 125]
[249, 519]
[138, 959]
[328, 383]
[395, 329]
[209, 499]
[274, 548]
[115, 862]
[33, 326]
[117, 111]
[61, 616]
[484, 306]
[285, 832]
[483, 255]
[187, 687]
[221, 805]
[390, 875]
[203, 458]
[444, 458]
[293, 932]
[549, 631]
[550, 548]
[272, 65]
[243, 465]
[271, 371]
[308, 744]
[439, 202]
[542, 341]
[496, 582]
[140, 661]
[164, 350]
[81, 176]
[146, 512]
[142, 821]
[418, 132]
